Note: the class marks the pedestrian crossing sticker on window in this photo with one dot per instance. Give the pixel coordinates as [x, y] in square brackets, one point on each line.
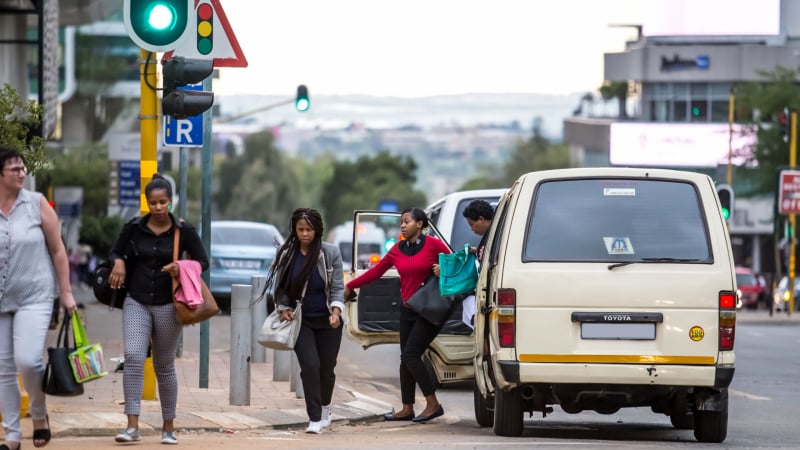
[618, 245]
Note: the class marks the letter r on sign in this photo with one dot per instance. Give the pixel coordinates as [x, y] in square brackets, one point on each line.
[184, 131]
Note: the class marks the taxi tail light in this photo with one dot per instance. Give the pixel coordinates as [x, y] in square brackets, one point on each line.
[506, 316]
[374, 259]
[727, 320]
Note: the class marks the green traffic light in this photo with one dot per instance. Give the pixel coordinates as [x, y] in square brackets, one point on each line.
[726, 214]
[301, 101]
[161, 16]
[695, 111]
[302, 104]
[156, 25]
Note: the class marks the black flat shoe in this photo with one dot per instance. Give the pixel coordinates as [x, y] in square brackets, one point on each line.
[390, 417]
[437, 413]
[42, 434]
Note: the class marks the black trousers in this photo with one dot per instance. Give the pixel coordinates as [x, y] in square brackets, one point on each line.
[416, 334]
[317, 348]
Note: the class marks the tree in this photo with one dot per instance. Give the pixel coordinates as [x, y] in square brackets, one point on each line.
[364, 183]
[86, 167]
[536, 154]
[762, 102]
[616, 90]
[18, 122]
[260, 185]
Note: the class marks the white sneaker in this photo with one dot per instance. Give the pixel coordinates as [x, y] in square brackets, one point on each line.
[314, 427]
[169, 438]
[130, 435]
[326, 416]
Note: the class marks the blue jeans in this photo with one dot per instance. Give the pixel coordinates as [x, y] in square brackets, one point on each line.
[22, 339]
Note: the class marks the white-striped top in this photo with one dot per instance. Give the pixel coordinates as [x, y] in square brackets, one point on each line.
[26, 270]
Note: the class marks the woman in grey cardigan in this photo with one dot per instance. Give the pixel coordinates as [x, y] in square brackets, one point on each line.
[307, 268]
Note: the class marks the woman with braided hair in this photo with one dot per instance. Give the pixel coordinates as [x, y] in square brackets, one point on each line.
[310, 270]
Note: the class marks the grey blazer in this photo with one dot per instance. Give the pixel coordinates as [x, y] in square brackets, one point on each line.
[329, 267]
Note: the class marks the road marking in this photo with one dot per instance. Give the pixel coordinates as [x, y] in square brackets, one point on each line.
[746, 395]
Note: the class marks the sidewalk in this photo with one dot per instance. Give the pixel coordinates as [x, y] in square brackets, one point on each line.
[762, 317]
[99, 411]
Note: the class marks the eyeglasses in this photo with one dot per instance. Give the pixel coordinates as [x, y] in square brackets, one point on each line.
[19, 170]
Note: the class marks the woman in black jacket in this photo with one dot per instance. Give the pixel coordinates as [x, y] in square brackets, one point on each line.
[143, 260]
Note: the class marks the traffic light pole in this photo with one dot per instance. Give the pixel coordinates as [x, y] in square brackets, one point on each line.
[793, 164]
[148, 125]
[148, 165]
[205, 326]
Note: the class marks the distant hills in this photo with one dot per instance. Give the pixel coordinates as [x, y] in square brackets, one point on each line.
[468, 110]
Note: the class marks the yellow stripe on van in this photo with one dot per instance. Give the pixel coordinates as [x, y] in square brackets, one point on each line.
[619, 359]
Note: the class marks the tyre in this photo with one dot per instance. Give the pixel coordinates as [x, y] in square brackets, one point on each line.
[682, 421]
[508, 413]
[712, 426]
[680, 415]
[484, 408]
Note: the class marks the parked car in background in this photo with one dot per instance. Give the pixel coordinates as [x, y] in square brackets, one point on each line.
[239, 250]
[747, 282]
[780, 297]
[447, 214]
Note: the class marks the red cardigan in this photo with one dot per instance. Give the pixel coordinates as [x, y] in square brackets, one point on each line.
[413, 270]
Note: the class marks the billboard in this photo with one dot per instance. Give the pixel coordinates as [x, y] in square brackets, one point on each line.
[680, 144]
[713, 18]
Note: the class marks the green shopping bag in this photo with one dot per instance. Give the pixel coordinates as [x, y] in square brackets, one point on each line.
[458, 273]
[87, 360]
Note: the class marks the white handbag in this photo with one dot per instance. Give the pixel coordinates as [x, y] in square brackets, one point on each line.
[280, 334]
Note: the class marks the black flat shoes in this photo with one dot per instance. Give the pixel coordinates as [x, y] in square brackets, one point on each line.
[390, 417]
[437, 413]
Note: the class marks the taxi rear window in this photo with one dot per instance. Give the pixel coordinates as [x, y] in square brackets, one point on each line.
[616, 220]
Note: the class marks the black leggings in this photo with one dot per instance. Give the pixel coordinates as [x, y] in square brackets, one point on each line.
[317, 348]
[416, 334]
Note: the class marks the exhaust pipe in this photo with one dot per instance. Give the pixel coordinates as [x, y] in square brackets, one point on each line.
[527, 392]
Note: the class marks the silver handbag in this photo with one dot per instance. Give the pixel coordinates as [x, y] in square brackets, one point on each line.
[280, 334]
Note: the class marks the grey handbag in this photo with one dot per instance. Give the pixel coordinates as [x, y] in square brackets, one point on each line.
[281, 335]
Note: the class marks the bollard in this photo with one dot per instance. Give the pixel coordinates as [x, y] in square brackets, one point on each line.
[240, 345]
[296, 383]
[281, 365]
[149, 387]
[259, 314]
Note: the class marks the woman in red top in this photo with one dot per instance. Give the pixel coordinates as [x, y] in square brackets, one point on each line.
[414, 257]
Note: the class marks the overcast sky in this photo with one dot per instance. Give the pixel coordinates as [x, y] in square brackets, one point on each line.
[415, 48]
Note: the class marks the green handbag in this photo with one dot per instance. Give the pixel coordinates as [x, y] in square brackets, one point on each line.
[87, 359]
[458, 273]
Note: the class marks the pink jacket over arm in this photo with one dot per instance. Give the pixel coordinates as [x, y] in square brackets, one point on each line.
[189, 291]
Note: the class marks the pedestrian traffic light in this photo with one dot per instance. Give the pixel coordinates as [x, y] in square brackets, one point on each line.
[725, 194]
[785, 121]
[302, 103]
[178, 72]
[156, 25]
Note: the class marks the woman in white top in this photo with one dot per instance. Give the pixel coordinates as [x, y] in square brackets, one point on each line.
[34, 270]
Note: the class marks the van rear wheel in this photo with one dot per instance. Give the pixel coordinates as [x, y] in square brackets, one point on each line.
[508, 413]
[712, 426]
[484, 408]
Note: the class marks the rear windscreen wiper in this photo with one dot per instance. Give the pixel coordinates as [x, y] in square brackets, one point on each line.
[651, 260]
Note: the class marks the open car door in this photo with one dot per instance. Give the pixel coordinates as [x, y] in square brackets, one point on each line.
[374, 316]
